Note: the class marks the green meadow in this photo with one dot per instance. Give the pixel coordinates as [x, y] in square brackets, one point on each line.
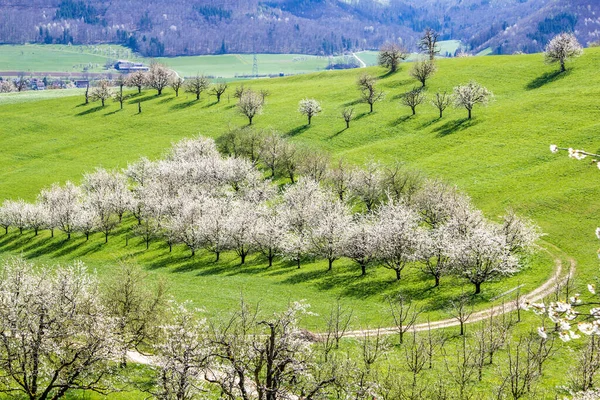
[500, 158]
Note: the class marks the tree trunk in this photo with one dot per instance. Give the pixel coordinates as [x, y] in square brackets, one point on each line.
[371, 105]
[309, 118]
[298, 261]
[477, 287]
[159, 92]
[218, 253]
[270, 257]
[139, 89]
[197, 96]
[469, 110]
[347, 124]
[68, 235]
[398, 274]
[51, 232]
[562, 66]
[437, 281]
[441, 111]
[147, 243]
[413, 110]
[462, 328]
[20, 230]
[105, 236]
[102, 102]
[330, 264]
[218, 98]
[193, 252]
[363, 268]
[36, 231]
[249, 120]
[87, 236]
[6, 230]
[139, 107]
[243, 257]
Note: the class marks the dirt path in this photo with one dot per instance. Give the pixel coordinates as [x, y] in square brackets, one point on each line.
[361, 62]
[535, 295]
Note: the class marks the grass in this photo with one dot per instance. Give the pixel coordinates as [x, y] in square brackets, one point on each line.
[500, 158]
[62, 58]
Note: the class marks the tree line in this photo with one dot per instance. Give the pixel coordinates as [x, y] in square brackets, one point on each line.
[195, 197]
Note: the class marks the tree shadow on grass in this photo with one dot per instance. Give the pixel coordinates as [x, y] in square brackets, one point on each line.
[90, 111]
[363, 115]
[429, 123]
[454, 126]
[297, 131]
[400, 120]
[546, 78]
[353, 103]
[337, 133]
[167, 100]
[184, 105]
[210, 104]
[113, 112]
[142, 99]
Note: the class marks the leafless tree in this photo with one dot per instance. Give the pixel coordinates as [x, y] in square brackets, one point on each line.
[21, 82]
[441, 101]
[391, 55]
[587, 365]
[218, 90]
[158, 77]
[136, 307]
[176, 83]
[400, 183]
[250, 104]
[338, 323]
[404, 314]
[561, 48]
[197, 85]
[239, 91]
[137, 79]
[461, 368]
[423, 70]
[461, 310]
[314, 163]
[370, 94]
[347, 114]
[413, 98]
[429, 43]
[56, 336]
[339, 178]
[102, 92]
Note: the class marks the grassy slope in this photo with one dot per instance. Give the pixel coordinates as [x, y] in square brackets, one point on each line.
[500, 158]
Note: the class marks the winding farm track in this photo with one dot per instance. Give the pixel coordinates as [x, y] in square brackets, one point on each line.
[546, 289]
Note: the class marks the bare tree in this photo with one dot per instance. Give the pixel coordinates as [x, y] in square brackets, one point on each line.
[370, 94]
[441, 101]
[404, 314]
[176, 83]
[21, 82]
[56, 336]
[314, 163]
[461, 311]
[587, 365]
[391, 55]
[413, 98]
[309, 107]
[197, 85]
[338, 323]
[423, 70]
[339, 178]
[218, 90]
[250, 104]
[471, 94]
[137, 79]
[158, 77]
[429, 43]
[347, 114]
[561, 48]
[102, 92]
[462, 367]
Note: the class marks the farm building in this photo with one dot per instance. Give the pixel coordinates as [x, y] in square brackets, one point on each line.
[129, 66]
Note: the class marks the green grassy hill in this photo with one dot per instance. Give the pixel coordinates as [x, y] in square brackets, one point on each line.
[500, 158]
